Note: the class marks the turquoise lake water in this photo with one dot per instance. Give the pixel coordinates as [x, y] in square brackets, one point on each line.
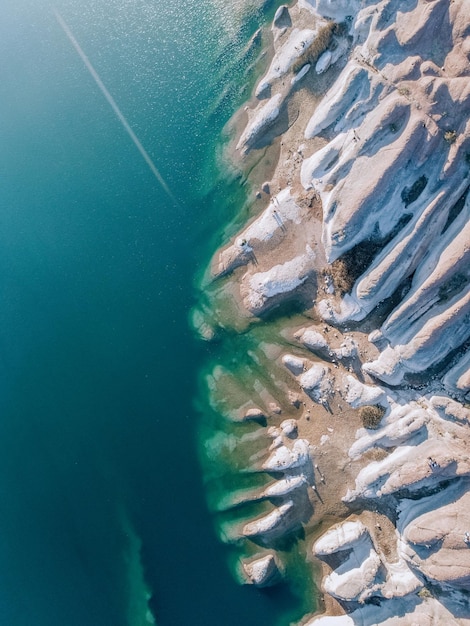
[102, 504]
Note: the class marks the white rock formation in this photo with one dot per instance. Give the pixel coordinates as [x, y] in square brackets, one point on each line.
[385, 157]
[438, 543]
[294, 364]
[280, 213]
[283, 458]
[434, 339]
[358, 394]
[263, 571]
[457, 379]
[285, 486]
[261, 120]
[340, 537]
[281, 279]
[317, 382]
[296, 44]
[274, 523]
[362, 572]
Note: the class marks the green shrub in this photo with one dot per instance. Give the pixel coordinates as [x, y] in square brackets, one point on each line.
[450, 136]
[346, 270]
[371, 415]
[343, 280]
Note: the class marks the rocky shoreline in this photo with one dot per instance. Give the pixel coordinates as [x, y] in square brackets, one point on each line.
[364, 233]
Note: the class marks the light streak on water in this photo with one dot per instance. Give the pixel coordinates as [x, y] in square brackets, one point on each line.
[114, 105]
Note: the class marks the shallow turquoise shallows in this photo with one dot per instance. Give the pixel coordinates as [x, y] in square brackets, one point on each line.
[103, 520]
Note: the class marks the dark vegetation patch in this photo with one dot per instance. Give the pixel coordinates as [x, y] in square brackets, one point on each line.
[371, 416]
[452, 287]
[346, 270]
[450, 136]
[410, 194]
[455, 210]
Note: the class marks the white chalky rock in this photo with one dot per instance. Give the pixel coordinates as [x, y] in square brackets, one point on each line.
[312, 379]
[262, 571]
[280, 280]
[314, 340]
[323, 62]
[358, 394]
[355, 577]
[340, 537]
[284, 486]
[284, 458]
[348, 349]
[354, 583]
[289, 428]
[294, 364]
[262, 118]
[270, 523]
[285, 57]
[298, 77]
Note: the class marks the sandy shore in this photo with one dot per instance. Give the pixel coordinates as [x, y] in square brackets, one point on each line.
[357, 141]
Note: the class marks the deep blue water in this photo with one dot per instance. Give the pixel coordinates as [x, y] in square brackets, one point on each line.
[101, 495]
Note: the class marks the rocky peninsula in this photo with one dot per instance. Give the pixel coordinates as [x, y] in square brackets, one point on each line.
[353, 274]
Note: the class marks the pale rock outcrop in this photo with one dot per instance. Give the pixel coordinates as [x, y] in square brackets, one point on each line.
[449, 409]
[263, 571]
[362, 573]
[254, 414]
[398, 260]
[444, 271]
[337, 10]
[409, 469]
[281, 280]
[282, 18]
[457, 379]
[359, 571]
[263, 117]
[445, 331]
[281, 211]
[296, 44]
[298, 77]
[290, 428]
[294, 364]
[274, 523]
[341, 537]
[438, 543]
[358, 394]
[283, 458]
[348, 349]
[399, 429]
[314, 340]
[285, 486]
[317, 382]
[352, 583]
[408, 611]
[323, 62]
